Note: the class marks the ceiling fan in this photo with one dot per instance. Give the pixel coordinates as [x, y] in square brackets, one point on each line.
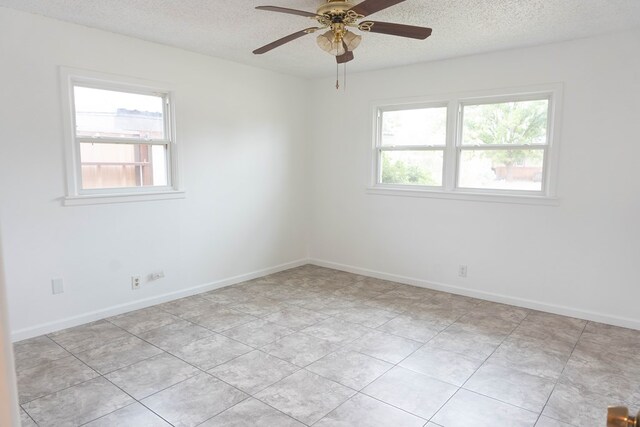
[339, 17]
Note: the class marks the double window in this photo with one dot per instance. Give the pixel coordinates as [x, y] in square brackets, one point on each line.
[501, 144]
[120, 139]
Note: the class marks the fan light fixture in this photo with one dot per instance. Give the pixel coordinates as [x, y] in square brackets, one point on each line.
[351, 40]
[330, 43]
[335, 43]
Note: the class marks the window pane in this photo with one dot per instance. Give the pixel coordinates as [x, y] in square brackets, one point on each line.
[123, 165]
[112, 114]
[425, 126]
[501, 169]
[522, 122]
[412, 167]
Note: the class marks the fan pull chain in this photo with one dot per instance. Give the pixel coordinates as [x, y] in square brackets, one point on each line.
[344, 79]
[337, 69]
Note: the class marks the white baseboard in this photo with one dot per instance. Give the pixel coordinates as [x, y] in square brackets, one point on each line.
[69, 322]
[624, 322]
[46, 328]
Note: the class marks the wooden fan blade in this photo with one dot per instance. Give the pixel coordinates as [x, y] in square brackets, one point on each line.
[401, 30]
[345, 57]
[287, 39]
[369, 7]
[287, 10]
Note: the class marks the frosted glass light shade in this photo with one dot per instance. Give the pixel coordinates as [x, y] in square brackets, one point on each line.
[351, 40]
[327, 43]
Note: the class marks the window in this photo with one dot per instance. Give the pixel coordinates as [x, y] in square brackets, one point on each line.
[412, 143]
[120, 139]
[503, 145]
[493, 145]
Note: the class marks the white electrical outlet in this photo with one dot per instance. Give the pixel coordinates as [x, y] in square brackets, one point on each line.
[156, 276]
[136, 282]
[57, 286]
[462, 271]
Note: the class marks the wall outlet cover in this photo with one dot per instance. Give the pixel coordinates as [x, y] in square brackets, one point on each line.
[156, 276]
[57, 286]
[462, 271]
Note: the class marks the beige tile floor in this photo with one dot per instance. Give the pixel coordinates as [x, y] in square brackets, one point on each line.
[314, 346]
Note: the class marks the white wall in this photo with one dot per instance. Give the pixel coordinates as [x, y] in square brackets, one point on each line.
[241, 133]
[578, 258]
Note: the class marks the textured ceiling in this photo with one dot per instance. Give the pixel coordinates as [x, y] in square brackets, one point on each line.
[232, 29]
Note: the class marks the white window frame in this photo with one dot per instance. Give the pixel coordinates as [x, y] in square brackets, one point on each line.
[424, 147]
[76, 195]
[451, 167]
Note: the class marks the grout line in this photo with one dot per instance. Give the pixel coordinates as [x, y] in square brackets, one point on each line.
[109, 413]
[244, 400]
[151, 410]
[562, 372]
[118, 387]
[478, 368]
[496, 349]
[28, 415]
[143, 360]
[390, 404]
[508, 403]
[57, 391]
[98, 375]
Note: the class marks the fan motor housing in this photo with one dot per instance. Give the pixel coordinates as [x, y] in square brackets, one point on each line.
[335, 7]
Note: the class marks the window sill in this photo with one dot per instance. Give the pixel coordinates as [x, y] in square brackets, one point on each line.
[101, 199]
[468, 196]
